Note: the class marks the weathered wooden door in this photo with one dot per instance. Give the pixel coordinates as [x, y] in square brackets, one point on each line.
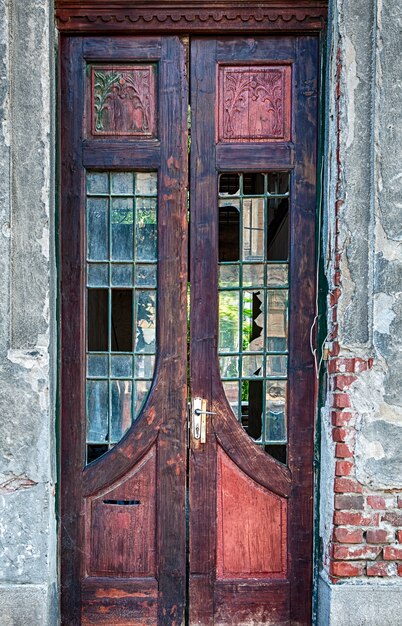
[168, 517]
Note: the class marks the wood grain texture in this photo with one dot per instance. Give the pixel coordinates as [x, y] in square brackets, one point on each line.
[123, 538]
[257, 602]
[252, 526]
[254, 103]
[116, 544]
[245, 157]
[110, 602]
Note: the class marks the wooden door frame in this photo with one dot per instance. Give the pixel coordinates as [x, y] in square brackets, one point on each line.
[125, 17]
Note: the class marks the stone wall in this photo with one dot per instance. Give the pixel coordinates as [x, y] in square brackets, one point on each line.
[28, 575]
[361, 459]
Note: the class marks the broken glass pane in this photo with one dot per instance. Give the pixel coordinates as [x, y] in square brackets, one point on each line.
[253, 321]
[275, 410]
[145, 321]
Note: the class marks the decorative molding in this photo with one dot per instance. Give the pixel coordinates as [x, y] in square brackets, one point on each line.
[115, 16]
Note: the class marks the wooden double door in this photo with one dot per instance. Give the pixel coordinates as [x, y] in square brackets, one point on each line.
[186, 473]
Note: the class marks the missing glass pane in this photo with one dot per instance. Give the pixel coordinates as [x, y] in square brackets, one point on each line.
[279, 452]
[229, 184]
[253, 184]
[278, 229]
[252, 407]
[97, 322]
[95, 451]
[229, 233]
[278, 183]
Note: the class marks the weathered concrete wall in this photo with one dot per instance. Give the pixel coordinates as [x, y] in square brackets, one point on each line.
[28, 571]
[360, 525]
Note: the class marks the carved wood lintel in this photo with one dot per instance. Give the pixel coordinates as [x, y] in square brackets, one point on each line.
[119, 16]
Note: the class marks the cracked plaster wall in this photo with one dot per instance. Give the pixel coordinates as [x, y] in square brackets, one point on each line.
[363, 220]
[28, 571]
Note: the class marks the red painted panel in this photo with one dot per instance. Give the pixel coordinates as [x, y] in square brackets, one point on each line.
[121, 527]
[251, 526]
[254, 103]
[123, 100]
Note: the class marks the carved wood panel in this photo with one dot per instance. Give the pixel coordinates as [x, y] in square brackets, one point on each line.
[123, 100]
[254, 103]
[252, 522]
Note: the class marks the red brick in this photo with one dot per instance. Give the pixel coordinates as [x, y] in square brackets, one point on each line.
[347, 485]
[379, 568]
[345, 518]
[400, 569]
[393, 517]
[378, 535]
[341, 401]
[399, 536]
[343, 418]
[349, 502]
[341, 365]
[376, 502]
[334, 296]
[344, 569]
[340, 435]
[344, 535]
[393, 553]
[343, 468]
[342, 381]
[345, 553]
[343, 451]
[335, 349]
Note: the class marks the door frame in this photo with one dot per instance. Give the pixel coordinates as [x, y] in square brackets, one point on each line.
[117, 17]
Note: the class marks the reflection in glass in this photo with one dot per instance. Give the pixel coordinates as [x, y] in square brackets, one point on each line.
[253, 229]
[253, 294]
[121, 408]
[229, 321]
[275, 407]
[97, 410]
[97, 229]
[121, 302]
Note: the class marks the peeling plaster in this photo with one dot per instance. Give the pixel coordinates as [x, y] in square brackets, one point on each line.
[352, 82]
[383, 313]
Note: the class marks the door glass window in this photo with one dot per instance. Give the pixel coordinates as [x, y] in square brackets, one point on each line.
[121, 302]
[253, 302]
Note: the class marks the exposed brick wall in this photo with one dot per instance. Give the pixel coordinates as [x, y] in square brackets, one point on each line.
[367, 527]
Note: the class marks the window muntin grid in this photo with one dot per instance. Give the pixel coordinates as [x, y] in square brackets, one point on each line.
[253, 301]
[121, 302]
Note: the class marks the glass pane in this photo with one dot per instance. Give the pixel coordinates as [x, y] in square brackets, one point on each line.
[98, 275]
[253, 366]
[253, 275]
[278, 229]
[121, 408]
[98, 229]
[97, 183]
[229, 321]
[229, 366]
[97, 322]
[275, 417]
[122, 229]
[277, 275]
[277, 320]
[229, 184]
[253, 229]
[122, 366]
[97, 410]
[229, 231]
[229, 276]
[145, 276]
[98, 365]
[253, 184]
[145, 321]
[251, 407]
[278, 183]
[142, 387]
[122, 183]
[144, 366]
[122, 320]
[277, 365]
[122, 275]
[146, 184]
[253, 321]
[232, 394]
[146, 231]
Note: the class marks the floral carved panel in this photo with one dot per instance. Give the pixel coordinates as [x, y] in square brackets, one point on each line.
[254, 103]
[123, 101]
